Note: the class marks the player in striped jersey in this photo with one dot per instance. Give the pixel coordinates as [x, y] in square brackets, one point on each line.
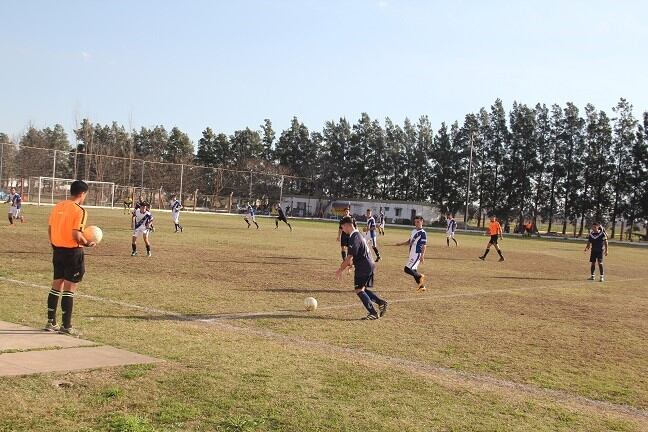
[15, 208]
[142, 224]
[175, 213]
[370, 231]
[450, 231]
[381, 221]
[417, 246]
[250, 216]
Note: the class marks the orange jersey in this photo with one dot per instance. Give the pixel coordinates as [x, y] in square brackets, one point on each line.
[494, 228]
[65, 218]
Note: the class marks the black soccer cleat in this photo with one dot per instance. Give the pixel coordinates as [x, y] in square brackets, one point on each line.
[383, 309]
[482, 258]
[371, 317]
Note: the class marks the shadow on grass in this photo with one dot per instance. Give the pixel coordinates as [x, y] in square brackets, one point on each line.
[298, 290]
[532, 278]
[49, 252]
[206, 318]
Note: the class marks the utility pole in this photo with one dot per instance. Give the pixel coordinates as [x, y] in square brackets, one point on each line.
[469, 177]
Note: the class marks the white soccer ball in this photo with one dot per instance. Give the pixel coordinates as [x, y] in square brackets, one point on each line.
[310, 304]
[93, 233]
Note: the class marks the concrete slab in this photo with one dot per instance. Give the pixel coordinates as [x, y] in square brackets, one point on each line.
[52, 352]
[69, 359]
[17, 337]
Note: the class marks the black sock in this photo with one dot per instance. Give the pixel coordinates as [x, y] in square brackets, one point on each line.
[134, 247]
[374, 297]
[52, 304]
[366, 301]
[499, 252]
[148, 248]
[486, 253]
[343, 253]
[257, 225]
[67, 303]
[455, 240]
[600, 269]
[276, 224]
[448, 241]
[593, 268]
[416, 275]
[376, 251]
[10, 220]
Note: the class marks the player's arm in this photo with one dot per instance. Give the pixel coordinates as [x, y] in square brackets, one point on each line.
[605, 242]
[423, 249]
[80, 239]
[406, 242]
[339, 236]
[589, 244]
[345, 264]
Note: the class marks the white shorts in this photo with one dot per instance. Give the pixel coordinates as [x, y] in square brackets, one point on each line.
[450, 234]
[14, 212]
[141, 231]
[382, 225]
[175, 216]
[414, 260]
[252, 218]
[372, 240]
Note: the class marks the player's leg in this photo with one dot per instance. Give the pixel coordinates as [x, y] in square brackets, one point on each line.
[447, 240]
[499, 251]
[600, 265]
[52, 304]
[382, 304]
[412, 269]
[134, 244]
[287, 223]
[343, 252]
[247, 222]
[74, 271]
[374, 245]
[10, 215]
[255, 222]
[147, 243]
[488, 246]
[454, 239]
[592, 266]
[276, 223]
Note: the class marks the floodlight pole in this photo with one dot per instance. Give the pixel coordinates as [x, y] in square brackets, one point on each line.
[53, 175]
[1, 160]
[468, 187]
[181, 176]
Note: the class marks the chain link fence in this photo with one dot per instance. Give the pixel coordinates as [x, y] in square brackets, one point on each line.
[41, 176]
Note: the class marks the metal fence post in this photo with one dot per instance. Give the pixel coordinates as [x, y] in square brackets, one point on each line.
[53, 176]
[181, 176]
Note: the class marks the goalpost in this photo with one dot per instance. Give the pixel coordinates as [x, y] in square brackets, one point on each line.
[52, 189]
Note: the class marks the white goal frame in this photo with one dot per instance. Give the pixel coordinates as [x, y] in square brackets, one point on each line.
[67, 182]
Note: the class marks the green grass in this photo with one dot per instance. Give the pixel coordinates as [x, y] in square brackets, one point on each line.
[532, 321]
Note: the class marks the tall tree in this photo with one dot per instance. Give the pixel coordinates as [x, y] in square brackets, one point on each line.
[623, 141]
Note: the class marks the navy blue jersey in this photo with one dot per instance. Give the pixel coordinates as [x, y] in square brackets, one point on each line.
[382, 218]
[597, 240]
[250, 210]
[281, 212]
[371, 225]
[362, 260]
[175, 206]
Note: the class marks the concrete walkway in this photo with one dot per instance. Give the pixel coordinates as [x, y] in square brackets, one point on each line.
[26, 351]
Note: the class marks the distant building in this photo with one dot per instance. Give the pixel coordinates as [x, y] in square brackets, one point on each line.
[395, 211]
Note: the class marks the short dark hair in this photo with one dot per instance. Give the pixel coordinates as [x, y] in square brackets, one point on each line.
[346, 220]
[417, 217]
[78, 187]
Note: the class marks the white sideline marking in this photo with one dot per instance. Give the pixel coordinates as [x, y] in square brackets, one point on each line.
[447, 375]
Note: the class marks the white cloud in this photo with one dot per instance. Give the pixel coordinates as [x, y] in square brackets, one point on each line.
[86, 56]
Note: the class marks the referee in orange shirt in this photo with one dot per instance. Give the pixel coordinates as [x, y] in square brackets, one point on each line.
[495, 232]
[66, 223]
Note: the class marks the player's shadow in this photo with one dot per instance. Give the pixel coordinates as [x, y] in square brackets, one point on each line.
[297, 290]
[24, 253]
[527, 278]
[281, 257]
[253, 262]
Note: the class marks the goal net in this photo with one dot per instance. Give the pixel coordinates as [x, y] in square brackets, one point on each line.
[50, 190]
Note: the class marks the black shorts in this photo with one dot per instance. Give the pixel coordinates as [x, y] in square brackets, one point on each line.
[68, 264]
[363, 281]
[282, 218]
[596, 256]
[494, 239]
[344, 239]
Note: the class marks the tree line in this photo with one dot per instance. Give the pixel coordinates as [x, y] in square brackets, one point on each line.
[552, 164]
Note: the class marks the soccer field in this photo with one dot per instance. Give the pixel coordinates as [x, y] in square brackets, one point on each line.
[524, 345]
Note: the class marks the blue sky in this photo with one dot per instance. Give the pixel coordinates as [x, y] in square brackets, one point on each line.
[230, 64]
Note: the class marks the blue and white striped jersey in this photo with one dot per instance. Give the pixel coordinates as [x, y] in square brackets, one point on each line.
[371, 224]
[418, 239]
[175, 206]
[142, 219]
[16, 200]
[250, 210]
[452, 225]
